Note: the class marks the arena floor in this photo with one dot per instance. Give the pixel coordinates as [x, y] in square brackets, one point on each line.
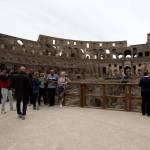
[72, 128]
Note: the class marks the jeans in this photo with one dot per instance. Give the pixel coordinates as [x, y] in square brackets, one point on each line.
[6, 94]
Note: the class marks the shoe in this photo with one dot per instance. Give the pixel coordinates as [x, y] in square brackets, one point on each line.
[61, 105]
[34, 108]
[37, 108]
[23, 117]
[19, 116]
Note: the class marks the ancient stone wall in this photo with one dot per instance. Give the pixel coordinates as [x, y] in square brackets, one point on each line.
[83, 59]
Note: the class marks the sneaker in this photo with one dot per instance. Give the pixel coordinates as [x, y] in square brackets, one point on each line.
[61, 105]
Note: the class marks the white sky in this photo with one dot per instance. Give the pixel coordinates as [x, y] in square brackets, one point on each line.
[100, 20]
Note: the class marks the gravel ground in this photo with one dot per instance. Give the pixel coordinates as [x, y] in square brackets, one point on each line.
[73, 128]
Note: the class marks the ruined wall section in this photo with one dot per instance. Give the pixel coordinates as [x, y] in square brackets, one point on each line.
[81, 58]
[82, 49]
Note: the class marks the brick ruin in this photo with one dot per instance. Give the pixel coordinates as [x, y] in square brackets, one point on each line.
[81, 59]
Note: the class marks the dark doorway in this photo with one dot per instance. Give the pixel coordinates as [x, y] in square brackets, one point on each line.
[104, 70]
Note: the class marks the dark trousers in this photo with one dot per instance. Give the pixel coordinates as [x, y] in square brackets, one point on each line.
[30, 98]
[51, 96]
[35, 98]
[146, 103]
[24, 107]
[42, 94]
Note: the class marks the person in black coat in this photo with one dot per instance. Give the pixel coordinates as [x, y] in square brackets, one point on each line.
[145, 93]
[30, 75]
[22, 86]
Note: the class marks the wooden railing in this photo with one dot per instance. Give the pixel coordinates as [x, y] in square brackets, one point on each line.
[105, 94]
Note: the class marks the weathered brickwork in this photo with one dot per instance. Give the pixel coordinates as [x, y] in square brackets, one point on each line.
[81, 58]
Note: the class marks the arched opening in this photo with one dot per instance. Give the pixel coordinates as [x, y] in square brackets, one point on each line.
[20, 42]
[135, 55]
[104, 70]
[146, 53]
[95, 56]
[134, 70]
[120, 67]
[72, 54]
[114, 56]
[101, 57]
[107, 51]
[82, 51]
[120, 56]
[127, 54]
[134, 52]
[88, 56]
[127, 70]
[140, 54]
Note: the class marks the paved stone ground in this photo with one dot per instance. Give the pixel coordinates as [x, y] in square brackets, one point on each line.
[72, 128]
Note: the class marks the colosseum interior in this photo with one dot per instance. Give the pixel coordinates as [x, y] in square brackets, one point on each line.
[80, 59]
[108, 61]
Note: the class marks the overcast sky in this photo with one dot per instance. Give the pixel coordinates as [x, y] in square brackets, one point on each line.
[100, 20]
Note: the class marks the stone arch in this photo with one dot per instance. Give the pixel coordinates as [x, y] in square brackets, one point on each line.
[127, 70]
[140, 54]
[127, 53]
[120, 55]
[104, 70]
[147, 53]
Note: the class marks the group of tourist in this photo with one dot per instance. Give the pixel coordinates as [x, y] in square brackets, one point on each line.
[29, 87]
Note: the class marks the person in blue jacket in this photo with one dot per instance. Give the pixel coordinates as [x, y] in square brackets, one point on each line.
[36, 88]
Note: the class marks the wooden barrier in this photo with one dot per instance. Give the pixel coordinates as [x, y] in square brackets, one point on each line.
[83, 93]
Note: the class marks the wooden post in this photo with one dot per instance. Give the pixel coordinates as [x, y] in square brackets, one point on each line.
[129, 99]
[81, 95]
[104, 96]
[126, 98]
[84, 95]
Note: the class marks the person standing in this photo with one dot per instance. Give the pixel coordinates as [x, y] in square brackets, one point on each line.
[61, 86]
[30, 74]
[36, 87]
[42, 92]
[145, 93]
[5, 85]
[22, 86]
[52, 84]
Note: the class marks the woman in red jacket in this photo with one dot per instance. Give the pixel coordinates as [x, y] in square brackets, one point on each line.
[5, 87]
